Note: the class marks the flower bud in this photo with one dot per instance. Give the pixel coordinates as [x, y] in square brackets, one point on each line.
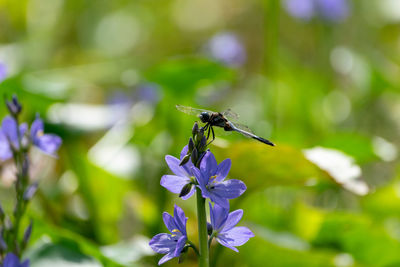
[30, 191]
[200, 135]
[195, 129]
[13, 106]
[190, 145]
[195, 156]
[27, 234]
[203, 142]
[2, 214]
[185, 190]
[209, 228]
[3, 245]
[25, 166]
[185, 160]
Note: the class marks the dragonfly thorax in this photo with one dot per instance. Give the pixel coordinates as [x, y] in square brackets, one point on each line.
[204, 117]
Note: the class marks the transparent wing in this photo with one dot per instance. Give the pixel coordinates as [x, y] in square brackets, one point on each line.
[230, 115]
[191, 111]
[242, 127]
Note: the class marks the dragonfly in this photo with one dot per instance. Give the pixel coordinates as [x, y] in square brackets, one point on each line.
[222, 120]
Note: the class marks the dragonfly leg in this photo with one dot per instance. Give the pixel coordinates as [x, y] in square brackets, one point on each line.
[213, 135]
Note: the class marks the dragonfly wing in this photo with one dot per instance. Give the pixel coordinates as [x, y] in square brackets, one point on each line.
[191, 111]
[230, 115]
[242, 127]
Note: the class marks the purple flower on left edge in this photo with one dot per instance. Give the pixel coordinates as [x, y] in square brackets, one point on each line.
[183, 175]
[48, 143]
[171, 244]
[9, 136]
[211, 180]
[3, 72]
[224, 230]
[12, 261]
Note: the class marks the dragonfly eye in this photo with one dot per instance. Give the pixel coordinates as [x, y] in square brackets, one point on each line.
[204, 117]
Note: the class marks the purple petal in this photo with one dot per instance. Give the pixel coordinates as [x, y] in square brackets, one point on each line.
[169, 221]
[11, 260]
[173, 164]
[236, 236]
[233, 218]
[229, 189]
[212, 215]
[37, 127]
[9, 127]
[48, 143]
[162, 243]
[199, 177]
[190, 193]
[204, 192]
[174, 183]
[184, 152]
[220, 215]
[221, 201]
[224, 242]
[5, 150]
[180, 219]
[303, 9]
[179, 246]
[166, 258]
[223, 170]
[208, 165]
[25, 263]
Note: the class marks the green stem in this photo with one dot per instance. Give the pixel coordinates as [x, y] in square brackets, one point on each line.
[202, 227]
[193, 246]
[210, 239]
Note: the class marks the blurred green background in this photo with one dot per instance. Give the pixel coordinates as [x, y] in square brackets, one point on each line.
[320, 78]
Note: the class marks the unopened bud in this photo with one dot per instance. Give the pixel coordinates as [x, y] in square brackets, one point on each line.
[203, 142]
[209, 228]
[13, 106]
[185, 190]
[190, 145]
[195, 128]
[2, 214]
[25, 167]
[185, 160]
[200, 135]
[30, 191]
[3, 245]
[27, 234]
[195, 156]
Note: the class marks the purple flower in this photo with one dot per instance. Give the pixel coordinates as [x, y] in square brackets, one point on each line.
[3, 71]
[183, 175]
[171, 244]
[9, 136]
[48, 143]
[210, 178]
[148, 92]
[224, 230]
[302, 9]
[227, 48]
[12, 261]
[333, 10]
[329, 10]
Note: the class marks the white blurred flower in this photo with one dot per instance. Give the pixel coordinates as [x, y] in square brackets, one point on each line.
[340, 167]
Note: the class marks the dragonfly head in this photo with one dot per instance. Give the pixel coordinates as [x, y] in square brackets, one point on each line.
[204, 117]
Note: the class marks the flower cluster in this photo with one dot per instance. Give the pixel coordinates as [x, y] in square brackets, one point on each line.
[329, 10]
[15, 142]
[198, 171]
